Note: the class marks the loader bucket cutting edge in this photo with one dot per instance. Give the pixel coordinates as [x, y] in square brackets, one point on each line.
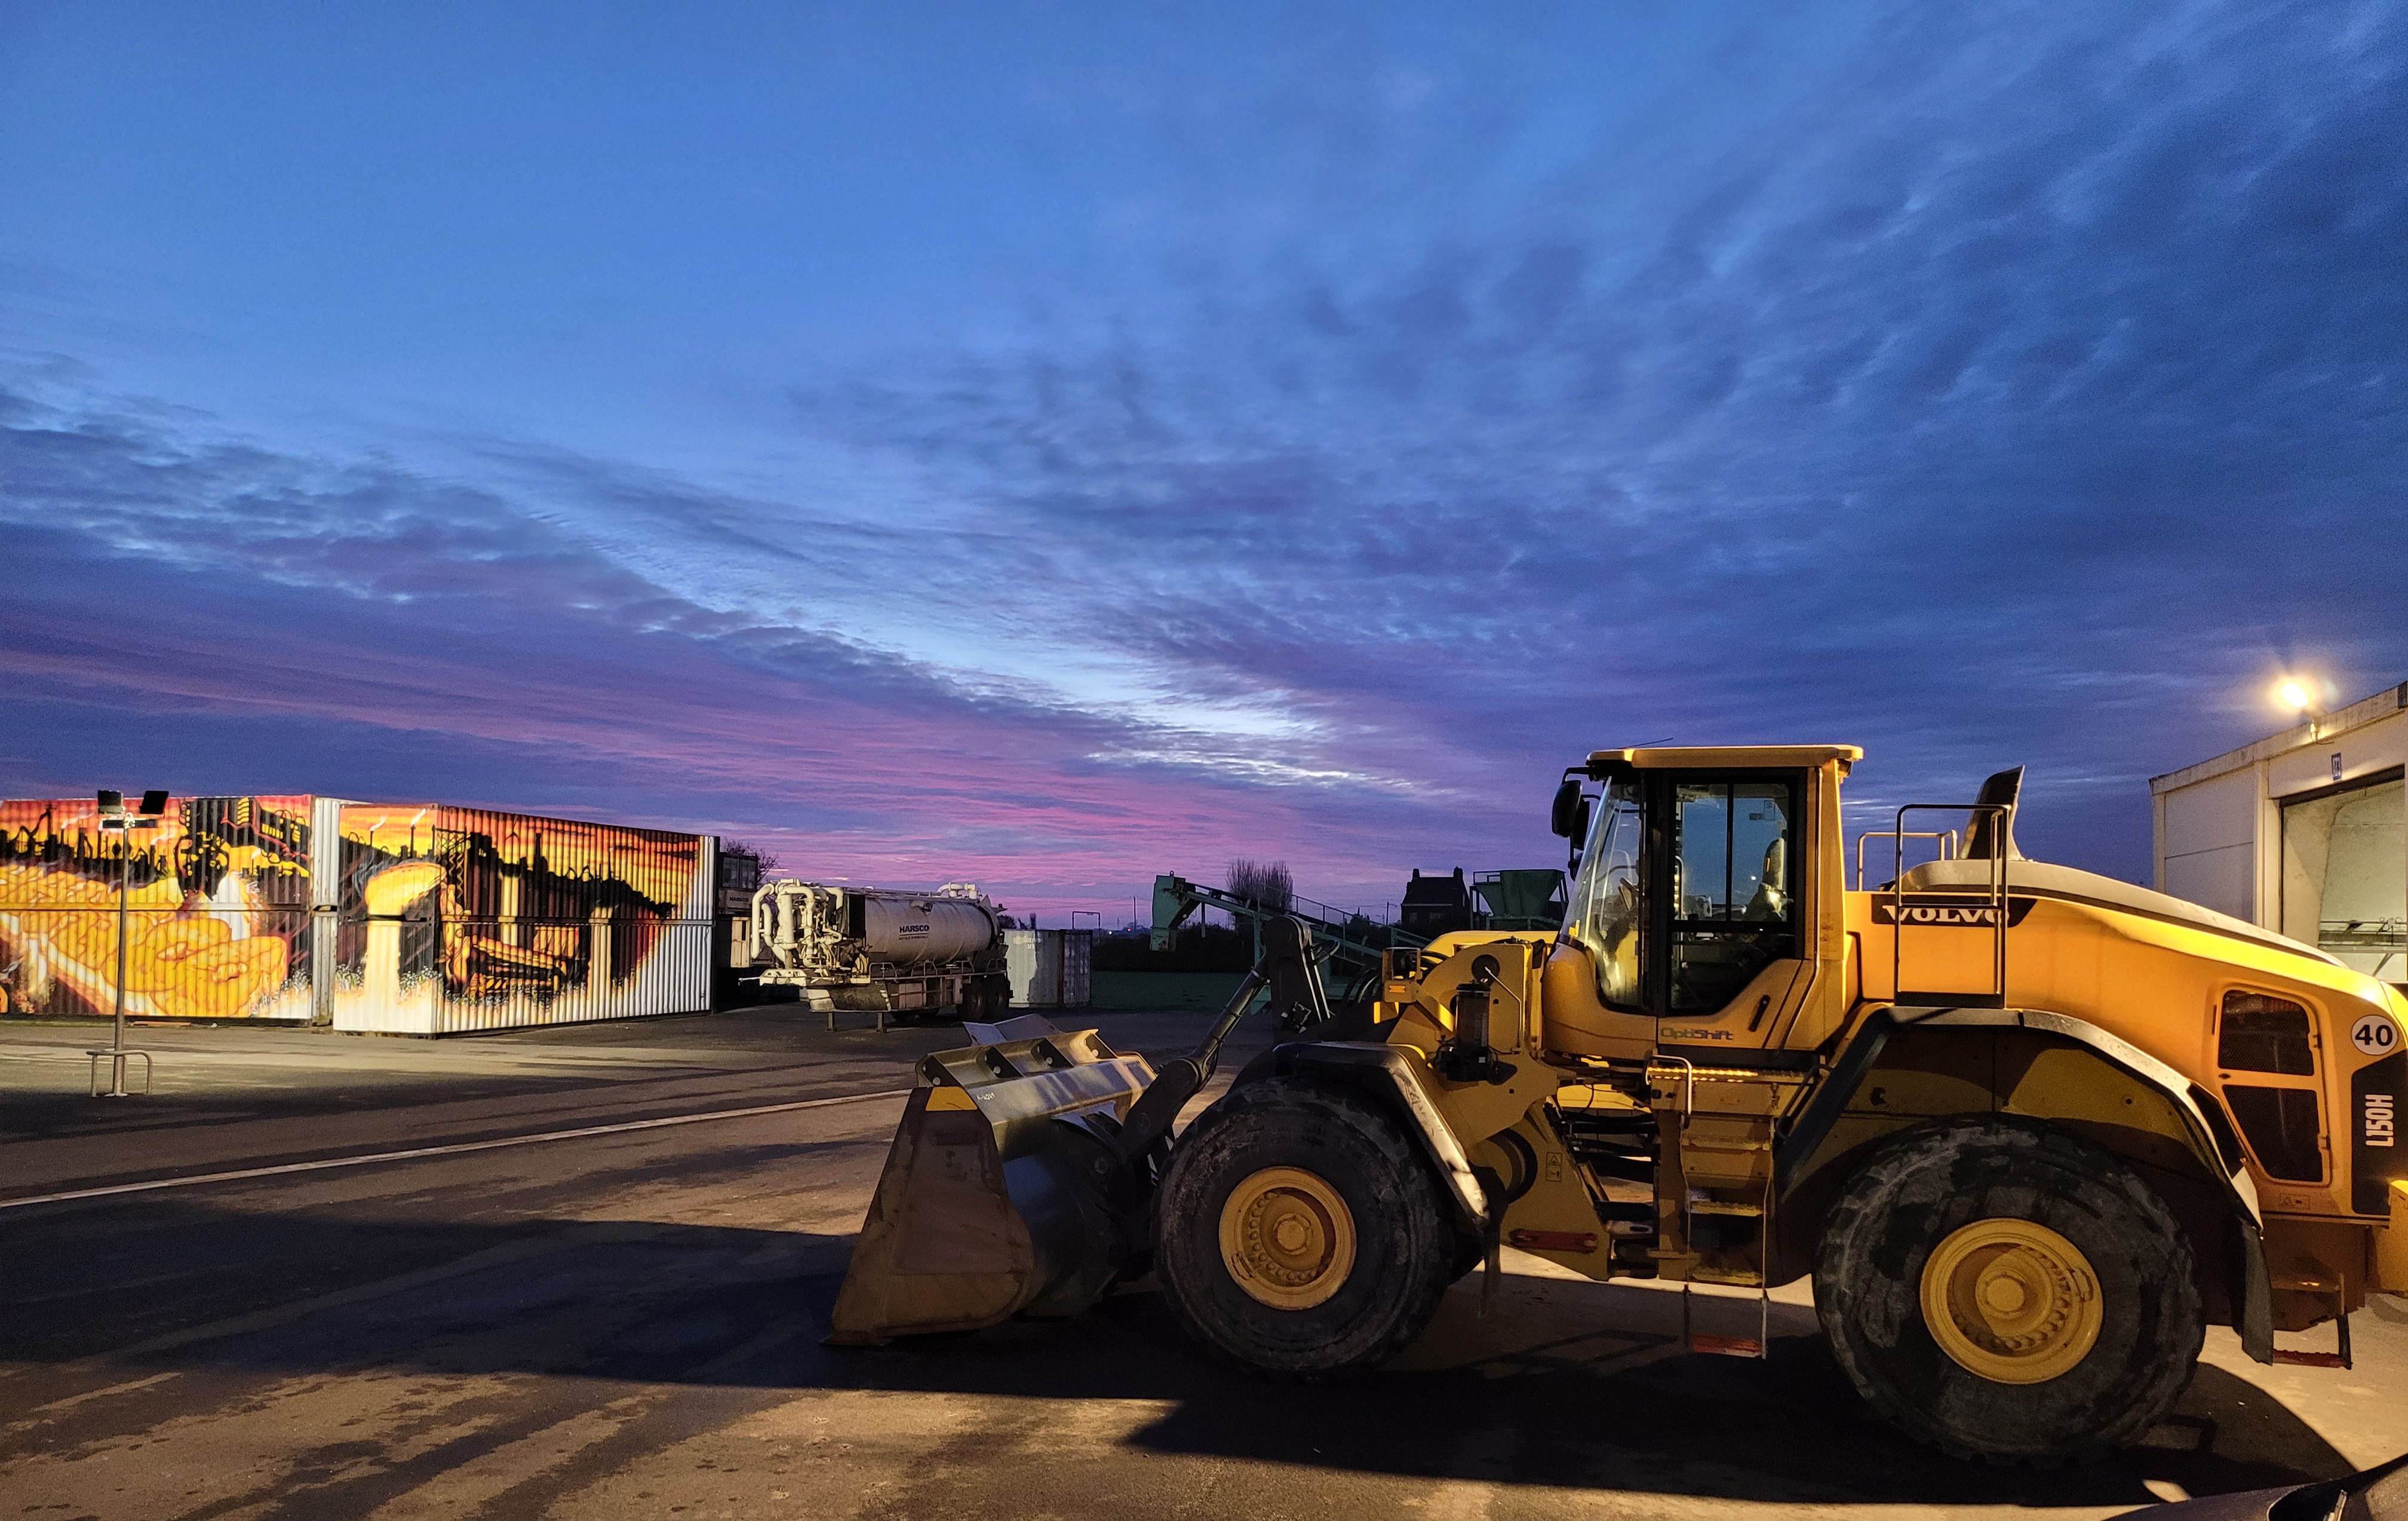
[1001, 1194]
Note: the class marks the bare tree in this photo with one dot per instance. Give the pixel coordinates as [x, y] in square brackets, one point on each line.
[770, 865]
[1266, 884]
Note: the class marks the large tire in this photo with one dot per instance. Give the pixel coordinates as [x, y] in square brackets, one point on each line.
[978, 1003]
[1282, 1145]
[994, 998]
[1957, 1213]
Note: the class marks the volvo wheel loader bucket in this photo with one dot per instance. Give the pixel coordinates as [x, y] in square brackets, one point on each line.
[1004, 1192]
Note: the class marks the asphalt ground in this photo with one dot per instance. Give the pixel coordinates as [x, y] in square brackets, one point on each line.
[627, 1324]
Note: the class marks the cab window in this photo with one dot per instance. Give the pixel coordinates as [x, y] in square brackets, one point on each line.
[1605, 901]
[1733, 894]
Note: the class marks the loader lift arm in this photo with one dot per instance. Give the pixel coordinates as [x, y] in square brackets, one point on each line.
[1289, 968]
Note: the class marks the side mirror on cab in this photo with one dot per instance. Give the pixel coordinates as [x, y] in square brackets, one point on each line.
[1567, 815]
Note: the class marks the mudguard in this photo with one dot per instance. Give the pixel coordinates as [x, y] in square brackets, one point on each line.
[2211, 1137]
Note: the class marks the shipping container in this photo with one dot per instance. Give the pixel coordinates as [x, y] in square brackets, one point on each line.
[1050, 968]
[419, 919]
[216, 902]
[456, 918]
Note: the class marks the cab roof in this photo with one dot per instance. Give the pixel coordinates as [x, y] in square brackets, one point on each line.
[1734, 757]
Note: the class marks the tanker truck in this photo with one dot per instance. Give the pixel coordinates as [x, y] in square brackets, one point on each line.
[869, 949]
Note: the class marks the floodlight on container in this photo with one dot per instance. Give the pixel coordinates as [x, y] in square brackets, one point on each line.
[2303, 695]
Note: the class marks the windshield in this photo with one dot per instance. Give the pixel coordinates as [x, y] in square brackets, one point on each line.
[1605, 904]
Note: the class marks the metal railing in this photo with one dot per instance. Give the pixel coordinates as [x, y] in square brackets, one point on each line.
[1948, 909]
[1947, 838]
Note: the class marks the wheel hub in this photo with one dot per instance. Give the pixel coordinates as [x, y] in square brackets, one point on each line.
[2011, 1300]
[1287, 1238]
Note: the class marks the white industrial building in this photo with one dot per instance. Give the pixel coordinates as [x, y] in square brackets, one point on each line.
[2304, 833]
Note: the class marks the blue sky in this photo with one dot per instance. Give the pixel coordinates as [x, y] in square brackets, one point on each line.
[1055, 444]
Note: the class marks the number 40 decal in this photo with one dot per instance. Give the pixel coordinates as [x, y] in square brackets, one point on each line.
[2375, 1035]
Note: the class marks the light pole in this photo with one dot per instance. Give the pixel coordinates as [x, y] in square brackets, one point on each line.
[115, 820]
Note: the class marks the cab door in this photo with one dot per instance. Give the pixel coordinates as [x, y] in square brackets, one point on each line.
[1727, 948]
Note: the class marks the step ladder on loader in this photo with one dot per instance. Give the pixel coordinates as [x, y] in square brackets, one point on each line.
[1714, 1192]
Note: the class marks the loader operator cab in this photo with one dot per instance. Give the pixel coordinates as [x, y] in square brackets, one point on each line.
[1699, 864]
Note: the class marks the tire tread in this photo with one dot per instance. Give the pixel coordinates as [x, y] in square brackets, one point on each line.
[1187, 1202]
[1856, 1231]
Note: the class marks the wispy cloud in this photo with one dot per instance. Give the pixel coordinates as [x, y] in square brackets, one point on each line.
[1982, 386]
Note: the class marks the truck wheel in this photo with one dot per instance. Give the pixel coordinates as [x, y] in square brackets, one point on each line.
[2003, 1290]
[986, 1000]
[1301, 1232]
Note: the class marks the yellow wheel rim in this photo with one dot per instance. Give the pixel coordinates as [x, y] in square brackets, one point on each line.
[2012, 1301]
[1287, 1238]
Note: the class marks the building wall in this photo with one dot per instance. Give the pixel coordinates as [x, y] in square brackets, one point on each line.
[2302, 832]
[2210, 854]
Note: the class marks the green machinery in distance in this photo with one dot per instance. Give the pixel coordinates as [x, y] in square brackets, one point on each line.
[1350, 942]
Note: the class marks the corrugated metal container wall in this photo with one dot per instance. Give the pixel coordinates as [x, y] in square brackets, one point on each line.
[326, 904]
[218, 899]
[1034, 960]
[457, 918]
[1078, 962]
[1049, 967]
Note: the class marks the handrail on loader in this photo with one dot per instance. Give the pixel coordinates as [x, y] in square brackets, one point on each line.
[1947, 909]
[1946, 840]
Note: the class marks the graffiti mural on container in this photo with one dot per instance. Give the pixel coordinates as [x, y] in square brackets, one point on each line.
[217, 901]
[460, 919]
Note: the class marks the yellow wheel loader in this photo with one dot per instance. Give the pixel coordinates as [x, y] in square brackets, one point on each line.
[2029, 1130]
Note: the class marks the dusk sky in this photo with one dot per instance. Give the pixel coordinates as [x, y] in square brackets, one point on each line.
[1053, 444]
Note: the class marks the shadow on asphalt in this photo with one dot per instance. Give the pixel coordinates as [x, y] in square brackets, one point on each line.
[1579, 1403]
[51, 1103]
[57, 1115]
